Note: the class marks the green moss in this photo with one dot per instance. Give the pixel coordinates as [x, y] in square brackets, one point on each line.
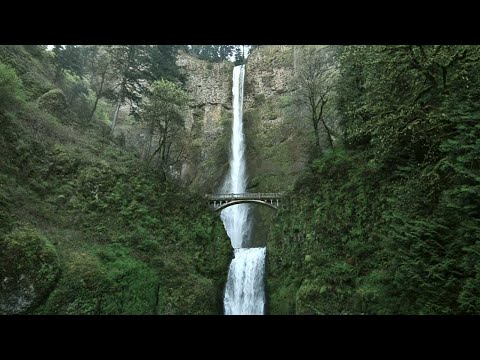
[188, 295]
[28, 269]
[55, 103]
[281, 299]
[103, 280]
[11, 88]
[127, 242]
[33, 69]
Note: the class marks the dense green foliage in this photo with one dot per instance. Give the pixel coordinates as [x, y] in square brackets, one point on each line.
[388, 221]
[11, 89]
[84, 221]
[384, 220]
[162, 64]
[67, 57]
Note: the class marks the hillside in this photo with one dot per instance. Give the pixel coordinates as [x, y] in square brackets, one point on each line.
[86, 227]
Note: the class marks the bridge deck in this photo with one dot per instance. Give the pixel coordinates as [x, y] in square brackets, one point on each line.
[245, 196]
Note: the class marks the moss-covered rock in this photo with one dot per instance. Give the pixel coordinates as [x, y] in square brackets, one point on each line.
[28, 270]
[55, 103]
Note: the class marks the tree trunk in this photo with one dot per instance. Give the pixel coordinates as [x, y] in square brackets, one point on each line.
[315, 127]
[115, 116]
[153, 155]
[317, 137]
[58, 73]
[161, 148]
[90, 118]
[148, 144]
[329, 135]
[98, 94]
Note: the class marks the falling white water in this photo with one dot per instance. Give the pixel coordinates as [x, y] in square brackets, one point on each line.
[244, 293]
[235, 218]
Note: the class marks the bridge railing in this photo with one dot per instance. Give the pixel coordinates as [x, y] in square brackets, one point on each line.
[256, 196]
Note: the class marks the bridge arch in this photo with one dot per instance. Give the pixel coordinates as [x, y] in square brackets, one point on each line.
[236, 202]
[219, 202]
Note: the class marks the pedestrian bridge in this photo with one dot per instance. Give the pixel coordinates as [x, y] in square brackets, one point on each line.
[218, 202]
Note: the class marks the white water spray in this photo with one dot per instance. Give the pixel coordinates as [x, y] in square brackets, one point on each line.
[244, 293]
[235, 218]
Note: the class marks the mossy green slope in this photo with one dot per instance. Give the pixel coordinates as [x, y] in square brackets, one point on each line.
[108, 236]
[388, 221]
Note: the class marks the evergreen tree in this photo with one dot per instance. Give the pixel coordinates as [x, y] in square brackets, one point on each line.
[130, 64]
[164, 114]
[67, 57]
[162, 63]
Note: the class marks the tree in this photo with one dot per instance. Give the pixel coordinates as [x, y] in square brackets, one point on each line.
[313, 90]
[391, 96]
[67, 57]
[162, 63]
[129, 65]
[99, 64]
[164, 114]
[215, 53]
[239, 53]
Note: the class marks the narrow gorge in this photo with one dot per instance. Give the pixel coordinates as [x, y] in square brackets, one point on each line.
[353, 172]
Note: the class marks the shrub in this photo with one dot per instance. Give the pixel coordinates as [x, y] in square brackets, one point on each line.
[11, 88]
[54, 102]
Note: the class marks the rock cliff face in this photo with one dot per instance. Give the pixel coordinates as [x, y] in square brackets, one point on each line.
[209, 118]
[274, 137]
[277, 135]
[275, 151]
[275, 148]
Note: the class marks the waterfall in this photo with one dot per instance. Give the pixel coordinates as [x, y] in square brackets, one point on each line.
[244, 293]
[235, 217]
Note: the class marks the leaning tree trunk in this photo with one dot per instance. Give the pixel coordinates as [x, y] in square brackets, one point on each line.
[98, 95]
[115, 116]
[90, 118]
[315, 130]
[329, 134]
[148, 144]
